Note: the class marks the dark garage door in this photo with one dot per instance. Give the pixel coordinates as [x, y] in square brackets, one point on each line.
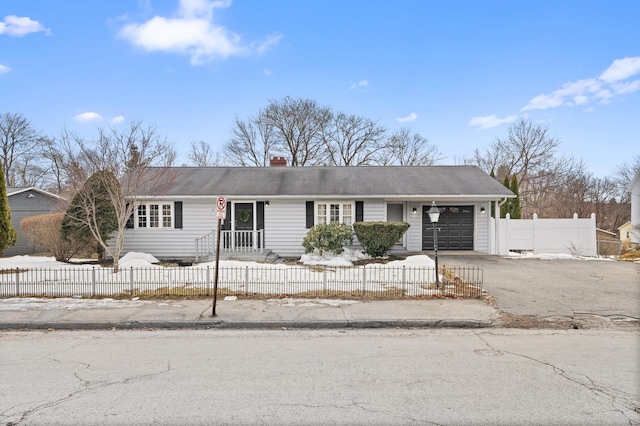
[455, 228]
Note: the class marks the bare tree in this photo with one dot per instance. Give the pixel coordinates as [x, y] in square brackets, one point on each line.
[529, 152]
[352, 140]
[202, 155]
[18, 148]
[410, 149]
[298, 126]
[252, 142]
[623, 176]
[127, 156]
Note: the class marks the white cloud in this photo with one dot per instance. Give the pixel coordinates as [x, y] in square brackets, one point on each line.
[193, 32]
[19, 26]
[87, 117]
[603, 89]
[490, 121]
[621, 69]
[117, 120]
[4, 69]
[408, 118]
[361, 83]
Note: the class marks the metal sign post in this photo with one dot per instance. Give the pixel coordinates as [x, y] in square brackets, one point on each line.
[221, 213]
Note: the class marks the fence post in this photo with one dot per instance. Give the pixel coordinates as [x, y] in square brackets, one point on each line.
[535, 232]
[246, 280]
[404, 280]
[364, 280]
[208, 281]
[131, 281]
[93, 281]
[324, 280]
[17, 282]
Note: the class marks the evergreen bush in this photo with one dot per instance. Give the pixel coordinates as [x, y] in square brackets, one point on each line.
[327, 238]
[378, 238]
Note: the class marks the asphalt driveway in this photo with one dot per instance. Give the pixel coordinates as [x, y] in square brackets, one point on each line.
[558, 288]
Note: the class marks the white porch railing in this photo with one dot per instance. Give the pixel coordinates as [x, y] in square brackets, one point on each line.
[230, 242]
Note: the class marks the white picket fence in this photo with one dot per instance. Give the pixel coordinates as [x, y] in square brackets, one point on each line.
[575, 236]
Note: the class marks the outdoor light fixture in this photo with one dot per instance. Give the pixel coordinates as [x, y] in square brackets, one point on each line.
[434, 215]
[481, 209]
[266, 203]
[415, 210]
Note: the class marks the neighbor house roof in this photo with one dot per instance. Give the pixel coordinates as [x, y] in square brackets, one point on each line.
[388, 182]
[15, 190]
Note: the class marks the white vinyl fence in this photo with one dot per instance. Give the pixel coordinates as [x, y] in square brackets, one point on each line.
[570, 236]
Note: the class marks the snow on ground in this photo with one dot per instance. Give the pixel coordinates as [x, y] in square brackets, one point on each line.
[552, 256]
[291, 302]
[329, 259]
[29, 303]
[138, 260]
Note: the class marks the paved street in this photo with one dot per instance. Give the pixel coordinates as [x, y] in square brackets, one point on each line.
[443, 377]
[587, 290]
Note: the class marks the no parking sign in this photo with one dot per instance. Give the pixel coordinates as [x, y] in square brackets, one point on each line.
[221, 208]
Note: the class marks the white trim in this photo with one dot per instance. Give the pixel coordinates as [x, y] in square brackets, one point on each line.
[33, 188]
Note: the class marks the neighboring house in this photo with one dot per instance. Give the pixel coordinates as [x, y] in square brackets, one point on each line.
[634, 190]
[25, 202]
[271, 209]
[625, 233]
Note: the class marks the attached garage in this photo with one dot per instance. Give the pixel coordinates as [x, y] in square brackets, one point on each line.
[455, 228]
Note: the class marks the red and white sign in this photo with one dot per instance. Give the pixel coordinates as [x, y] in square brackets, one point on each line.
[221, 208]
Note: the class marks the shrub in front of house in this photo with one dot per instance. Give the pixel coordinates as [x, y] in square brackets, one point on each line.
[329, 237]
[378, 238]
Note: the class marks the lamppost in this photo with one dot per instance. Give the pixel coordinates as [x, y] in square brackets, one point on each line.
[434, 215]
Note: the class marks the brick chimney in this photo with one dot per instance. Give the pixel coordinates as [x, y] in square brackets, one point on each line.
[278, 162]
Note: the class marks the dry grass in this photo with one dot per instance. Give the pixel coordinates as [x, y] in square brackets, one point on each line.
[631, 256]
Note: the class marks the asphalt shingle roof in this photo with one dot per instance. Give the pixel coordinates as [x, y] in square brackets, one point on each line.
[392, 181]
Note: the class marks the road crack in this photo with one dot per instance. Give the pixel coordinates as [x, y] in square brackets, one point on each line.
[621, 401]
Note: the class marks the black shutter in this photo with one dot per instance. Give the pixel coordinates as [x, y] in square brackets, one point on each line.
[226, 224]
[260, 214]
[177, 214]
[359, 211]
[130, 221]
[310, 214]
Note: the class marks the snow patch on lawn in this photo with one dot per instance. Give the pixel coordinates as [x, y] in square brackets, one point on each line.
[553, 256]
[346, 258]
[138, 260]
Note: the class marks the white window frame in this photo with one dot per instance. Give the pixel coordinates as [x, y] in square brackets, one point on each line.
[325, 207]
[164, 221]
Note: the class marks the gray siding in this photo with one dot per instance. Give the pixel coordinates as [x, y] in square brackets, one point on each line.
[23, 206]
[481, 238]
[285, 226]
[198, 219]
[414, 233]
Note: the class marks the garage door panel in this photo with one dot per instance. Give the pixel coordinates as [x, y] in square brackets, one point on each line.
[455, 228]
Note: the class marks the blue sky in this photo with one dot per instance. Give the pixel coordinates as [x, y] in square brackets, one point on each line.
[458, 72]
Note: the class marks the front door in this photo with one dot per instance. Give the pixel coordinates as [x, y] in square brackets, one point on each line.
[243, 224]
[395, 213]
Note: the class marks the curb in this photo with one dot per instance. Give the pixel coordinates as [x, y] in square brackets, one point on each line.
[246, 325]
